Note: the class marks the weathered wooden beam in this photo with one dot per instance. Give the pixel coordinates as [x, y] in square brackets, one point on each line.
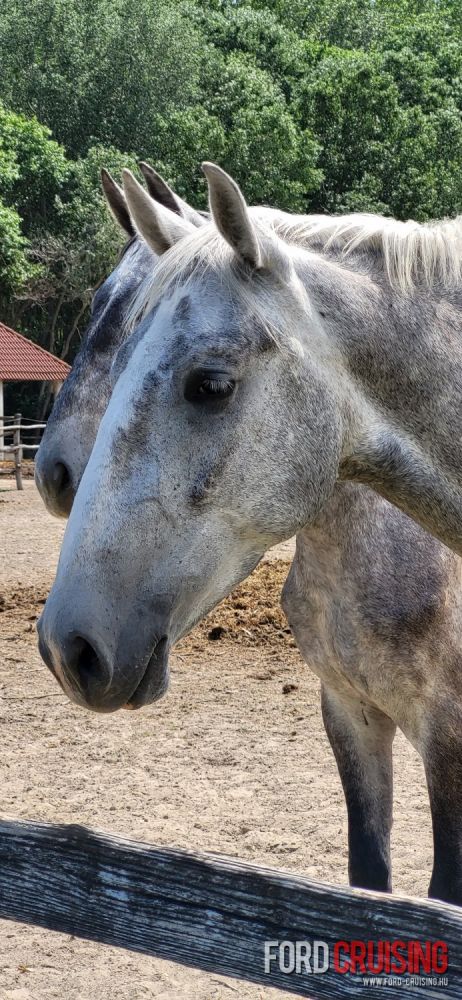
[208, 912]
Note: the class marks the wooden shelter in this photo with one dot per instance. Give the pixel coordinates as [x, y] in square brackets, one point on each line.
[23, 361]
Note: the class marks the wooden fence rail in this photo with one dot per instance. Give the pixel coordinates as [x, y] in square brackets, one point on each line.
[18, 447]
[208, 912]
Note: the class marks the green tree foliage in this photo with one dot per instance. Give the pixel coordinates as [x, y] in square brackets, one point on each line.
[99, 70]
[37, 168]
[313, 105]
[32, 169]
[15, 268]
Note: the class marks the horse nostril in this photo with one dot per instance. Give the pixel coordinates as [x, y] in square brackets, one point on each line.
[60, 478]
[55, 483]
[86, 666]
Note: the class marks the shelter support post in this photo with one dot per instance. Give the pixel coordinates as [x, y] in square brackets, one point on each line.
[2, 413]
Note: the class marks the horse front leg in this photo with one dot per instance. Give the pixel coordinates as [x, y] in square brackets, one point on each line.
[361, 737]
[443, 767]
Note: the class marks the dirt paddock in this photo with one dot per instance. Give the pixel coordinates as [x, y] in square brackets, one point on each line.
[233, 760]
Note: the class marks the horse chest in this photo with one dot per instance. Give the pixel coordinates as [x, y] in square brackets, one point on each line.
[323, 619]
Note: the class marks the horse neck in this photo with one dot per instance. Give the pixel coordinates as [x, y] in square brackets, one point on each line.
[337, 557]
[348, 517]
[402, 358]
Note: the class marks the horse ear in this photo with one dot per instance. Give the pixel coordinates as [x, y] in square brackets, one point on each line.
[161, 192]
[160, 227]
[116, 201]
[231, 215]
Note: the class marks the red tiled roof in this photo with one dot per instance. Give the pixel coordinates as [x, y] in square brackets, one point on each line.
[21, 359]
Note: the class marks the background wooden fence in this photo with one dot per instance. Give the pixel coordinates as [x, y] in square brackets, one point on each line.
[208, 912]
[13, 430]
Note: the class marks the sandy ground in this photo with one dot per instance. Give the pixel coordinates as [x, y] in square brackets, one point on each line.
[233, 760]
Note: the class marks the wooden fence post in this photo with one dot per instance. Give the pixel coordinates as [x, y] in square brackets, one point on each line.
[18, 451]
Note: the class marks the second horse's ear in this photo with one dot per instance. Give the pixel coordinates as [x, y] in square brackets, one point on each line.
[160, 227]
[161, 192]
[117, 202]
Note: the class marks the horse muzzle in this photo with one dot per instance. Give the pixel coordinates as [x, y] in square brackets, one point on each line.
[98, 669]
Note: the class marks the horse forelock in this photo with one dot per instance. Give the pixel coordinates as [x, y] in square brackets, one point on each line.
[198, 257]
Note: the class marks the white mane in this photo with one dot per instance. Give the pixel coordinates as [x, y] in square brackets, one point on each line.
[411, 252]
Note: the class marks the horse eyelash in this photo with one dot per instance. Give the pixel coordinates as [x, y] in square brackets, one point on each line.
[216, 384]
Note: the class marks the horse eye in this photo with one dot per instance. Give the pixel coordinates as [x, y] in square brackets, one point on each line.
[213, 386]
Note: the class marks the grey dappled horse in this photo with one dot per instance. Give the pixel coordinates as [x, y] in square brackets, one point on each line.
[265, 371]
